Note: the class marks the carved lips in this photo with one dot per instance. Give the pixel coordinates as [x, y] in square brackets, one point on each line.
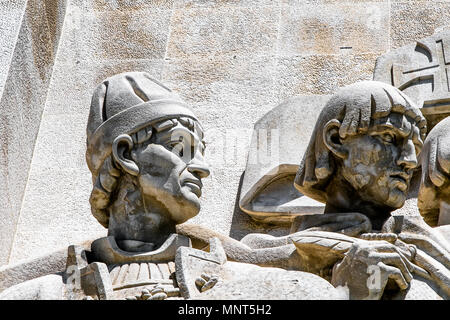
[194, 184]
[402, 180]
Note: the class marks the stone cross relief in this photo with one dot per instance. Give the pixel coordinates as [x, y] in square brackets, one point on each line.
[438, 54]
[421, 70]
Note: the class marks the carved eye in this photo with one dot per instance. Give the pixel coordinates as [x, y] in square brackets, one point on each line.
[176, 147]
[387, 137]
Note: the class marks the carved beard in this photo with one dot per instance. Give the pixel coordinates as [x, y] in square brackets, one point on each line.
[372, 185]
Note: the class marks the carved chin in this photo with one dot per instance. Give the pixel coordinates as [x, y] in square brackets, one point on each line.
[186, 213]
[189, 206]
[396, 198]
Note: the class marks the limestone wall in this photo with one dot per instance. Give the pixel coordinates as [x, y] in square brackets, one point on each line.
[29, 39]
[231, 60]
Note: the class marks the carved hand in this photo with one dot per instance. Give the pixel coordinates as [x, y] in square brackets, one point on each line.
[350, 223]
[369, 267]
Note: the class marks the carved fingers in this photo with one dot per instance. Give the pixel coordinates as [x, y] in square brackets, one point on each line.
[407, 251]
[389, 254]
[351, 224]
[369, 265]
[396, 267]
[395, 274]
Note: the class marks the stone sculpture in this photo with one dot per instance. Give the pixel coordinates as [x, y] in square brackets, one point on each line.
[419, 69]
[143, 185]
[363, 151]
[360, 160]
[434, 192]
[145, 152]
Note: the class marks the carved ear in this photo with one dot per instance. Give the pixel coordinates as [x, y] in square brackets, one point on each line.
[332, 140]
[121, 145]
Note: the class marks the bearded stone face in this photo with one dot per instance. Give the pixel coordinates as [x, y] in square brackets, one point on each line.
[380, 163]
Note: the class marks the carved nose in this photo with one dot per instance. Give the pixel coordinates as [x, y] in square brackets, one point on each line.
[199, 170]
[408, 158]
[198, 166]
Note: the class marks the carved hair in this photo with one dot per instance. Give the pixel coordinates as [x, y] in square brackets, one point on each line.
[110, 175]
[435, 162]
[355, 107]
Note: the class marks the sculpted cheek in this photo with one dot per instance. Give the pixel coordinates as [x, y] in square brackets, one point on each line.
[366, 153]
[158, 161]
[363, 164]
[361, 180]
[365, 158]
[383, 186]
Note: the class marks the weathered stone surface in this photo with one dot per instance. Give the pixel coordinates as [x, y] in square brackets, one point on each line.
[224, 30]
[31, 226]
[240, 281]
[49, 287]
[10, 21]
[122, 5]
[413, 20]
[322, 74]
[106, 35]
[219, 83]
[296, 2]
[28, 74]
[187, 4]
[333, 28]
[13, 274]
[222, 81]
[444, 231]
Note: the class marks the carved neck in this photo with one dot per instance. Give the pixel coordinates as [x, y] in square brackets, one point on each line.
[134, 218]
[342, 197]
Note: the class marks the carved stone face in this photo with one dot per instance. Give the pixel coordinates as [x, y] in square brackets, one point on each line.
[171, 170]
[363, 150]
[161, 186]
[145, 153]
[379, 164]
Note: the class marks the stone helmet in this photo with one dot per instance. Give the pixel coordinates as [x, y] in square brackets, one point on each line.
[124, 104]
